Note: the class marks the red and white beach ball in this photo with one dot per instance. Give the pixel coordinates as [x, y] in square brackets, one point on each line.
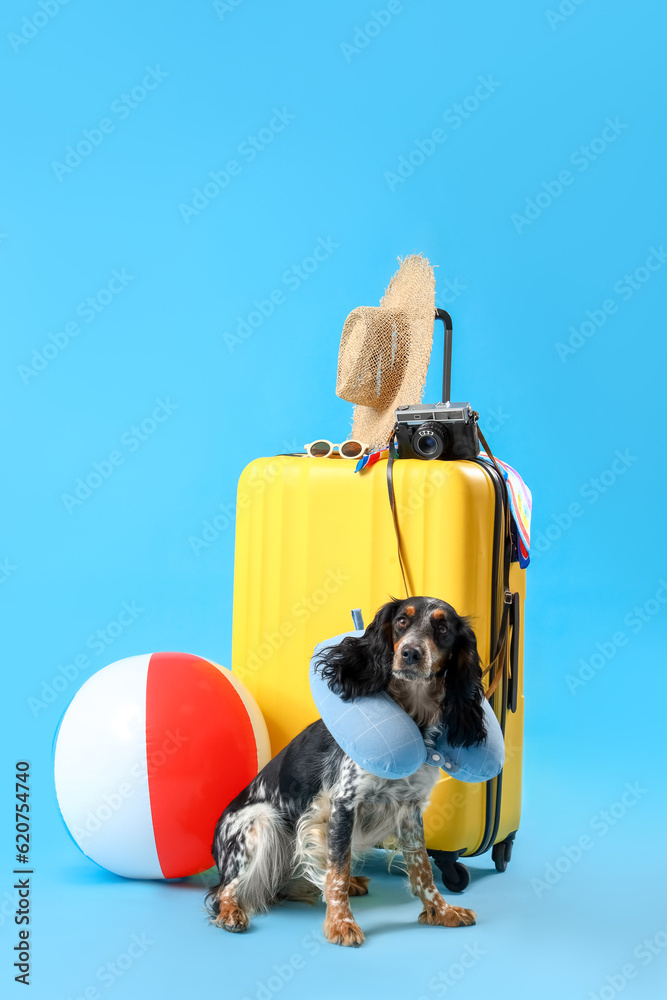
[150, 751]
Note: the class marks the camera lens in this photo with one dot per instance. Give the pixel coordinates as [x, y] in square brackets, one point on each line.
[429, 440]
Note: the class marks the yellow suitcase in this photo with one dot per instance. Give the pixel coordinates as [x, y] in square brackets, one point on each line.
[314, 540]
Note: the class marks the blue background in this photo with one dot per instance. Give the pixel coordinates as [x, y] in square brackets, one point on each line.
[514, 296]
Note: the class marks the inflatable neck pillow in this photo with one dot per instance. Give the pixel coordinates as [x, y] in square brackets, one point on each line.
[379, 736]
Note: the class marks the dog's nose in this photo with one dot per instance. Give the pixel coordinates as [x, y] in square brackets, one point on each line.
[410, 655]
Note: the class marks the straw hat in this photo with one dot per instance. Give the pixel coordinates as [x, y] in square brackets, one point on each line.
[385, 351]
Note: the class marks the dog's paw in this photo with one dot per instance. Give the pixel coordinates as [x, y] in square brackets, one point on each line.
[447, 916]
[232, 918]
[359, 885]
[345, 931]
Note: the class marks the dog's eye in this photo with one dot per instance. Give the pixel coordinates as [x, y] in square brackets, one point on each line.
[442, 628]
[402, 621]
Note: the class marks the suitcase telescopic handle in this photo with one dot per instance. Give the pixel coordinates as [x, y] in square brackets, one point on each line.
[447, 358]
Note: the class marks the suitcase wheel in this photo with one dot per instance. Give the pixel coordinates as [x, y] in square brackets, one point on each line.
[502, 852]
[455, 876]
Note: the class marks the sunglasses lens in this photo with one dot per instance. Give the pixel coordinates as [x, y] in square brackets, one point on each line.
[351, 449]
[320, 449]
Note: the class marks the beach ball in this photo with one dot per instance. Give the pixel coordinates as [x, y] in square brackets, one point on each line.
[148, 754]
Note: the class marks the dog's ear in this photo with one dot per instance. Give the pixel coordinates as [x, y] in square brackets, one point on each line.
[463, 714]
[360, 666]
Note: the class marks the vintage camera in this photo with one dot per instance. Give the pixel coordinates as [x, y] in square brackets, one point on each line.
[446, 431]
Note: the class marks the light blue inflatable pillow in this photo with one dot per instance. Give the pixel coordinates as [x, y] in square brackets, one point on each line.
[379, 736]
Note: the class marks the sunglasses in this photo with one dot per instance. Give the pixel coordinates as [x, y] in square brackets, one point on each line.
[348, 449]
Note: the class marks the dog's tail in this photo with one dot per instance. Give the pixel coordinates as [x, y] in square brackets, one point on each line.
[253, 849]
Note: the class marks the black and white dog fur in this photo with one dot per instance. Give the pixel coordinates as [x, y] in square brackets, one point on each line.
[294, 831]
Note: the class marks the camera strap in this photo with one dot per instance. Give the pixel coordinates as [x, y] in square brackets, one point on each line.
[392, 504]
[500, 658]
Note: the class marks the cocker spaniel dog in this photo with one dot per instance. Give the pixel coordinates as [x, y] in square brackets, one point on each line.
[293, 832]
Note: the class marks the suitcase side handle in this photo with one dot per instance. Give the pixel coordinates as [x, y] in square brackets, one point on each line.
[513, 686]
[447, 357]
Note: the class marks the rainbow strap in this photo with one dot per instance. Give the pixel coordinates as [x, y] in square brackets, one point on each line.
[368, 460]
[521, 506]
